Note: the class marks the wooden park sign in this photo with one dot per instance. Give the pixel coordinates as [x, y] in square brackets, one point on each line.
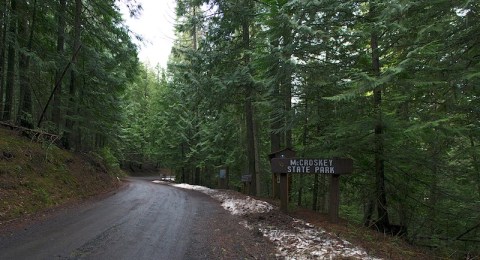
[298, 165]
[332, 166]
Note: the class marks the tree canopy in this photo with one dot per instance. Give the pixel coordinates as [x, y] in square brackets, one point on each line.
[390, 84]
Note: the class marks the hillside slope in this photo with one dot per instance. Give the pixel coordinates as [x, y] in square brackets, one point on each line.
[35, 176]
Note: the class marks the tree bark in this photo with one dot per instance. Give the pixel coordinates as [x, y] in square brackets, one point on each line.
[184, 178]
[305, 145]
[382, 210]
[315, 193]
[250, 140]
[24, 115]
[197, 116]
[197, 176]
[249, 94]
[56, 85]
[275, 122]
[287, 94]
[57, 101]
[10, 84]
[288, 109]
[69, 135]
[275, 137]
[368, 213]
[256, 134]
[275, 140]
[3, 49]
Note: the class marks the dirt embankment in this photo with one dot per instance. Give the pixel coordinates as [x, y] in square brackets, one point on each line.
[35, 176]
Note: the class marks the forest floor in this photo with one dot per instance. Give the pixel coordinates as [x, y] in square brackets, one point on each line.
[35, 176]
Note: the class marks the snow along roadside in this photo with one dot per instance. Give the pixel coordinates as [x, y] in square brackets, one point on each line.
[305, 242]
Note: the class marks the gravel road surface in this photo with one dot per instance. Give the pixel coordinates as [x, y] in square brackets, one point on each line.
[143, 220]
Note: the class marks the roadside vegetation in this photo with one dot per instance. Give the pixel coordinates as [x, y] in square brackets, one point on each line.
[35, 176]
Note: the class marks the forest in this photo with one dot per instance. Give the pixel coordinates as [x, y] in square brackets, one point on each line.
[393, 85]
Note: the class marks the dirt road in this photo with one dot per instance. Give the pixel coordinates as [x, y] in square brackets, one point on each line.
[142, 221]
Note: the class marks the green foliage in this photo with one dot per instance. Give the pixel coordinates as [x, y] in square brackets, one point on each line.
[84, 107]
[314, 86]
[109, 159]
[33, 178]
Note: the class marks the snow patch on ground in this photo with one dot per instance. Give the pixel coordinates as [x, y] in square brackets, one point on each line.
[308, 242]
[304, 241]
[234, 206]
[246, 206]
[194, 187]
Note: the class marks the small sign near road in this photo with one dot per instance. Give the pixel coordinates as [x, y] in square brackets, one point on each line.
[247, 178]
[222, 174]
[302, 165]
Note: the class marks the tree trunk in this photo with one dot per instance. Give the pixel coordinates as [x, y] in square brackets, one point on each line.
[288, 133]
[275, 146]
[249, 108]
[197, 116]
[315, 193]
[256, 134]
[323, 193]
[316, 182]
[3, 49]
[305, 145]
[10, 84]
[288, 109]
[383, 219]
[69, 135]
[275, 138]
[250, 140]
[197, 176]
[184, 177]
[25, 113]
[57, 101]
[382, 210]
[368, 213]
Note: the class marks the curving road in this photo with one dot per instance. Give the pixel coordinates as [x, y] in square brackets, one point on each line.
[142, 221]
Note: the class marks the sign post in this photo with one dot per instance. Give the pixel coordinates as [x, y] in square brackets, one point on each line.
[334, 200]
[284, 153]
[246, 180]
[222, 178]
[333, 166]
[284, 192]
